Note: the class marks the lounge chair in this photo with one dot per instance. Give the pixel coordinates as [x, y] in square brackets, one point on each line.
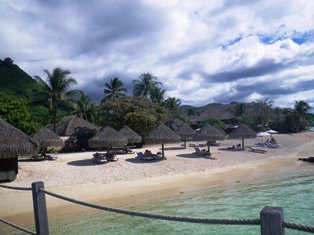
[202, 152]
[272, 145]
[99, 158]
[258, 149]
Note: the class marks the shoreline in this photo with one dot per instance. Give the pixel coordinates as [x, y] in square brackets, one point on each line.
[120, 193]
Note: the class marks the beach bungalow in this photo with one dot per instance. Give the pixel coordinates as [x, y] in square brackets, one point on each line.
[13, 143]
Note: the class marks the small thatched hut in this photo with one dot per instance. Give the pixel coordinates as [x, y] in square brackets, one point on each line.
[47, 138]
[13, 143]
[241, 131]
[132, 136]
[107, 137]
[162, 135]
[182, 129]
[208, 133]
[67, 126]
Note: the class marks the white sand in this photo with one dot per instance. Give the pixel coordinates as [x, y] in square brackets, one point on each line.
[129, 180]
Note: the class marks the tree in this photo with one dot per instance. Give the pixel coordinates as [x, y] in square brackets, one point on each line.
[301, 110]
[157, 95]
[139, 113]
[263, 112]
[57, 89]
[15, 111]
[144, 85]
[8, 61]
[173, 104]
[193, 112]
[85, 109]
[114, 89]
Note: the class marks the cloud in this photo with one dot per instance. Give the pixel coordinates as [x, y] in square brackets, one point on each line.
[203, 51]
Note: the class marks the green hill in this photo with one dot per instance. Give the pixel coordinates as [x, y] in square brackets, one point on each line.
[14, 81]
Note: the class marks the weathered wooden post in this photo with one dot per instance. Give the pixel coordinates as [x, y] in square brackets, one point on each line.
[271, 221]
[40, 209]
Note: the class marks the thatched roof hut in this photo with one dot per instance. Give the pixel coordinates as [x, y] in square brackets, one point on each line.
[162, 135]
[241, 131]
[67, 126]
[107, 137]
[14, 142]
[131, 135]
[208, 133]
[47, 138]
[182, 129]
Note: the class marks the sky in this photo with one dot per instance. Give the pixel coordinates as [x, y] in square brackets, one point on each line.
[203, 51]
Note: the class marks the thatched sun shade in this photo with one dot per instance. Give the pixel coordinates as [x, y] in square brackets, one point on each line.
[14, 142]
[69, 125]
[182, 129]
[208, 133]
[162, 135]
[47, 138]
[242, 131]
[132, 136]
[107, 137]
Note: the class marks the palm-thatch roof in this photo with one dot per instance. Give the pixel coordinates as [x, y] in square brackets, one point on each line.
[14, 142]
[69, 125]
[47, 138]
[107, 137]
[209, 133]
[131, 135]
[162, 135]
[241, 131]
[181, 128]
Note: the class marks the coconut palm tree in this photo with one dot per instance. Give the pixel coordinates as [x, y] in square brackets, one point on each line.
[157, 95]
[57, 89]
[301, 110]
[144, 84]
[173, 104]
[85, 109]
[114, 89]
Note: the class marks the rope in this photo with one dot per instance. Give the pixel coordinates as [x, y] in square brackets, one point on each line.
[17, 227]
[16, 188]
[300, 227]
[157, 216]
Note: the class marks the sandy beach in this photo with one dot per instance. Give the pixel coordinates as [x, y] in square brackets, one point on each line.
[129, 180]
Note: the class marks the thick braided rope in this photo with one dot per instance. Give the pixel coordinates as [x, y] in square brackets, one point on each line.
[300, 227]
[17, 227]
[16, 188]
[157, 216]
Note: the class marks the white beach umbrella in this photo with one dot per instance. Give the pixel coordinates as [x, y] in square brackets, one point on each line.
[263, 134]
[270, 131]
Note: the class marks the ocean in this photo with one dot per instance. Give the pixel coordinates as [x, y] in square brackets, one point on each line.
[294, 191]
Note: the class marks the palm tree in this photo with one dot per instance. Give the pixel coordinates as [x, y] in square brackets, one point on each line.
[301, 110]
[157, 95]
[264, 112]
[144, 84]
[173, 104]
[85, 109]
[57, 89]
[114, 89]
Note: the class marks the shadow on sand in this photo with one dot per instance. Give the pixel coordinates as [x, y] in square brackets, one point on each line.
[190, 155]
[137, 161]
[84, 162]
[231, 149]
[173, 148]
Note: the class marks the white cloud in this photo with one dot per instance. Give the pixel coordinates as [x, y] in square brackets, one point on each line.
[203, 51]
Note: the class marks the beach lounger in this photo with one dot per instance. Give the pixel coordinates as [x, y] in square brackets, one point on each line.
[201, 152]
[99, 158]
[272, 145]
[258, 149]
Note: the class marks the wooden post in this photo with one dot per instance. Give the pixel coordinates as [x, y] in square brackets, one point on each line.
[163, 150]
[271, 221]
[40, 209]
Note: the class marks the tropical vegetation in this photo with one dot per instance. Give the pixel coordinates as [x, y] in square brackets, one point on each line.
[29, 104]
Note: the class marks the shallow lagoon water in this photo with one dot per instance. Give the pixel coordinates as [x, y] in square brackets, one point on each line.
[293, 192]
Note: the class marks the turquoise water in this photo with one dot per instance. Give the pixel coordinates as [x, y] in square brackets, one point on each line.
[293, 191]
